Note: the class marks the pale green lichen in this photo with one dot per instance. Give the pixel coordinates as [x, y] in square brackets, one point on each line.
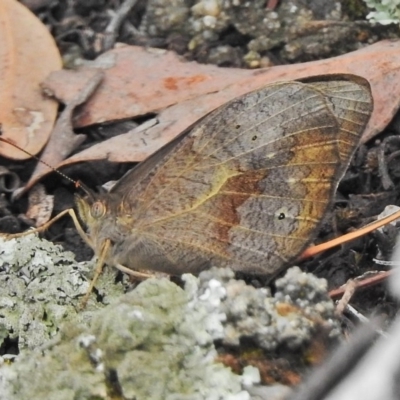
[145, 347]
[41, 289]
[386, 11]
[155, 342]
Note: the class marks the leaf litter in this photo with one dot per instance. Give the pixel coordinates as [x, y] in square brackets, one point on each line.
[174, 117]
[141, 81]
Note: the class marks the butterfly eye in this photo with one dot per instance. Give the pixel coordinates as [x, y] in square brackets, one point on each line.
[98, 209]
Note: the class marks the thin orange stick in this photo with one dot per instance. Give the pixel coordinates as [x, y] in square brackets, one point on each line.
[314, 250]
[366, 282]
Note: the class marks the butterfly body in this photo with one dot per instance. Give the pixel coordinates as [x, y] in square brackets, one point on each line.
[246, 187]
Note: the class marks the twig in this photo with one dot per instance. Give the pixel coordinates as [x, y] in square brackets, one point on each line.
[111, 32]
[383, 164]
[349, 290]
[363, 319]
[365, 282]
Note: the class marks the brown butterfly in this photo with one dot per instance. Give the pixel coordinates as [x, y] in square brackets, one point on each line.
[246, 187]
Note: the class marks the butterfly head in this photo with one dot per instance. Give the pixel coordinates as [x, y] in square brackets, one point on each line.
[101, 214]
[90, 209]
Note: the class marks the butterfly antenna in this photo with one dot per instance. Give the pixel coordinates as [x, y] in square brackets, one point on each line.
[81, 185]
[78, 184]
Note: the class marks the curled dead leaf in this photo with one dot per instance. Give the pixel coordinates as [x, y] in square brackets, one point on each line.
[40, 205]
[9, 181]
[63, 139]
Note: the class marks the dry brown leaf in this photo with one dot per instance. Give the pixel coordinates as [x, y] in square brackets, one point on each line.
[63, 139]
[379, 63]
[40, 205]
[138, 81]
[28, 54]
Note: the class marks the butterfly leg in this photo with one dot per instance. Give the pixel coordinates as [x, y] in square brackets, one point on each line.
[136, 274]
[99, 268]
[97, 272]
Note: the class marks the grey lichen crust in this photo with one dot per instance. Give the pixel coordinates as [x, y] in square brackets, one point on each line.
[155, 342]
[288, 318]
[145, 346]
[41, 287]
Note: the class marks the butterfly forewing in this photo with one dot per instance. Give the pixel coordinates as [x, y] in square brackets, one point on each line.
[247, 186]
